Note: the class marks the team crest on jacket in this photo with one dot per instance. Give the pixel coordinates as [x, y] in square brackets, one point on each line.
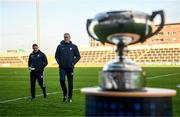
[70, 48]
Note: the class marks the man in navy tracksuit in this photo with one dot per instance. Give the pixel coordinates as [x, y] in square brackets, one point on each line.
[36, 64]
[67, 55]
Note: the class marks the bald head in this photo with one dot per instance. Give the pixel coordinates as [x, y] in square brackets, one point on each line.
[67, 37]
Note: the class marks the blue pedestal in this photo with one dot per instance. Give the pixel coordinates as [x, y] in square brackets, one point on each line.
[150, 102]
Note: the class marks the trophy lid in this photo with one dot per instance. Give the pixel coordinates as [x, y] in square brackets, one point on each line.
[110, 27]
[121, 16]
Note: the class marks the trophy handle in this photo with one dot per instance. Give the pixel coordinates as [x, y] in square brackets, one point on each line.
[154, 14]
[87, 28]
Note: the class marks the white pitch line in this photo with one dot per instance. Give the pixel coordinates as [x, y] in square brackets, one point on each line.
[153, 77]
[11, 100]
[16, 99]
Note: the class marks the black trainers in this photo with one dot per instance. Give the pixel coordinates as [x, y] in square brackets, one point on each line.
[45, 96]
[70, 100]
[32, 98]
[64, 99]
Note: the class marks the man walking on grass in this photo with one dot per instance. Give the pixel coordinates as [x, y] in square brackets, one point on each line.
[36, 64]
[67, 55]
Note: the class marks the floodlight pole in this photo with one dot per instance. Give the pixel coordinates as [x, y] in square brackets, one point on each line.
[38, 22]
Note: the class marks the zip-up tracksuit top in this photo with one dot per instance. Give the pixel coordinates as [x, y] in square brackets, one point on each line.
[38, 61]
[67, 55]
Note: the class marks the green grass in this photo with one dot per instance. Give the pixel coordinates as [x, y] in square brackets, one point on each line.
[14, 83]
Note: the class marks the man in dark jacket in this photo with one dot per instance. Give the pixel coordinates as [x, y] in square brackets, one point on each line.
[67, 55]
[36, 64]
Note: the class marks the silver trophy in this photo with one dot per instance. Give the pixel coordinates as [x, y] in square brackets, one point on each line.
[123, 28]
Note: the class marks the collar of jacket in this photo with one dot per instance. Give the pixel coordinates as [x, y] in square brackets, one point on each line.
[36, 52]
[64, 43]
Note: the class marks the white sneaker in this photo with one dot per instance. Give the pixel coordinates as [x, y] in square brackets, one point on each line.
[178, 86]
[70, 100]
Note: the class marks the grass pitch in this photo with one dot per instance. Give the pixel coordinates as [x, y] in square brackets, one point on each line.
[14, 84]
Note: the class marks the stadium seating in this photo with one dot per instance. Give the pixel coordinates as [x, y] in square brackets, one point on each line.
[156, 56]
[96, 56]
[147, 54]
[10, 60]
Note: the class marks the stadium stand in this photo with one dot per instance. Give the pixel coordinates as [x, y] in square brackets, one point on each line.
[163, 48]
[11, 59]
[154, 54]
[157, 54]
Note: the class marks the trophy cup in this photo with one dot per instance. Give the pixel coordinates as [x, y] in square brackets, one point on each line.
[123, 28]
[122, 90]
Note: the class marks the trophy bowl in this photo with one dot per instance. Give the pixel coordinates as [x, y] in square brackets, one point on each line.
[123, 28]
[135, 26]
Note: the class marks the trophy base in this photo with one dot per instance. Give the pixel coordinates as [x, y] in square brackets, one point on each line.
[124, 90]
[150, 102]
